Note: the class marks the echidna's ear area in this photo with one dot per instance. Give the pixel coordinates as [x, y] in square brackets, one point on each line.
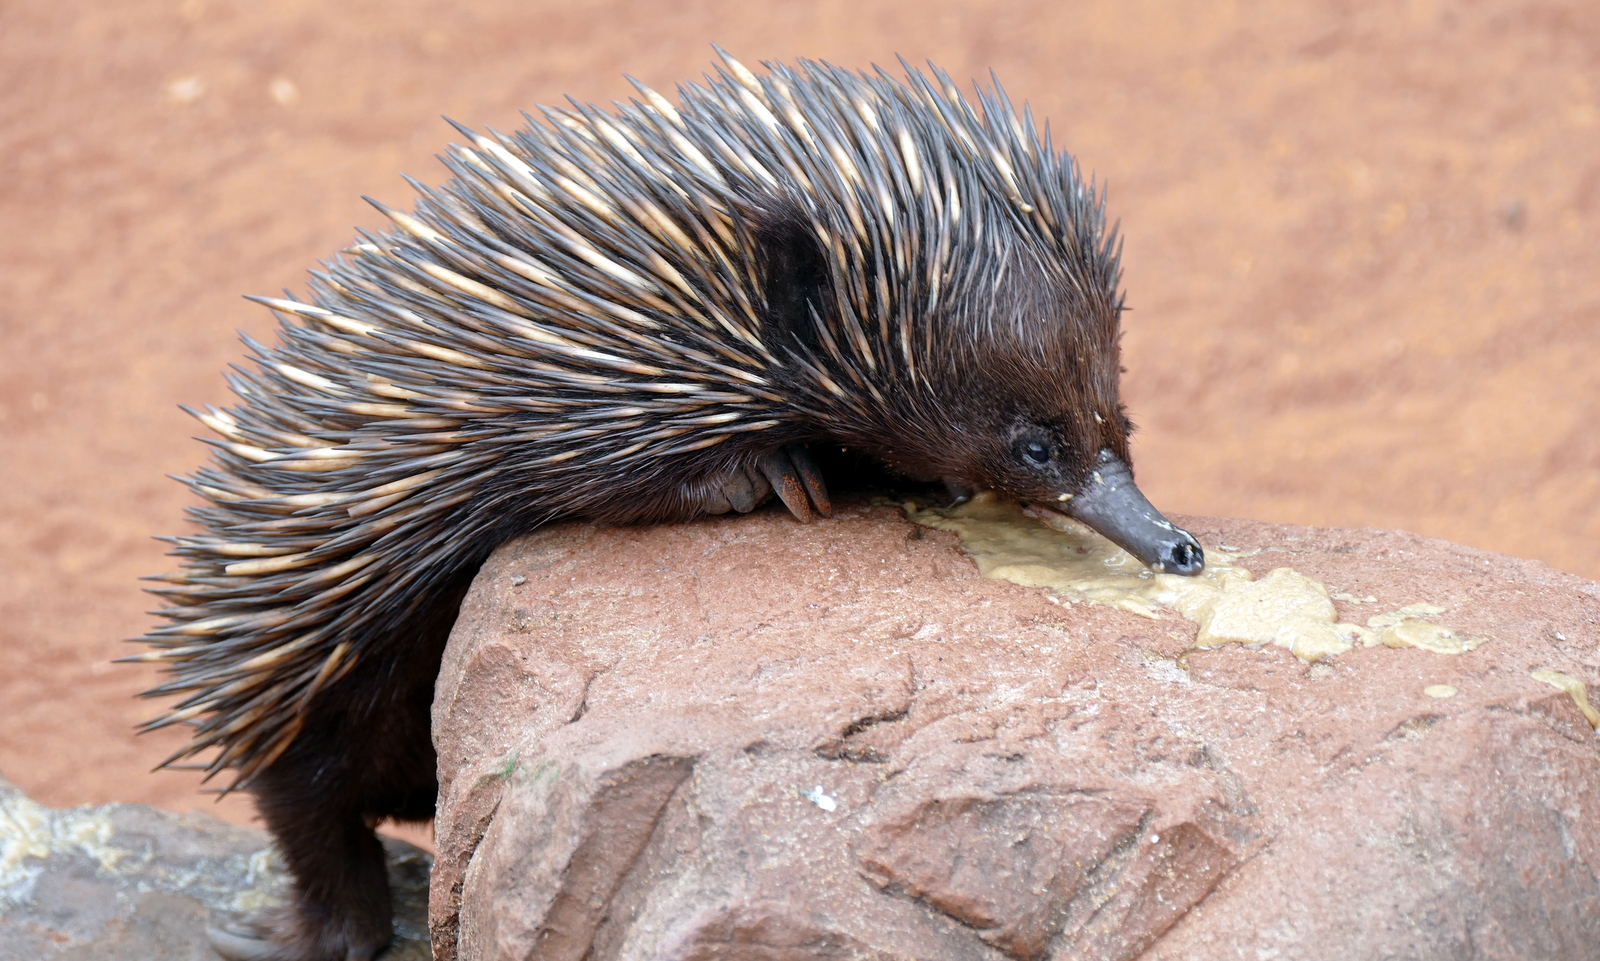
[794, 275]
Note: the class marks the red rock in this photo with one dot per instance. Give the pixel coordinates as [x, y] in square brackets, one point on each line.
[747, 738]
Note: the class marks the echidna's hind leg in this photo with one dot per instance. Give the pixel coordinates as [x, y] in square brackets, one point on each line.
[341, 908]
[365, 754]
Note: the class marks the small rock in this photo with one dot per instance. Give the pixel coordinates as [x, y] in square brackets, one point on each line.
[125, 882]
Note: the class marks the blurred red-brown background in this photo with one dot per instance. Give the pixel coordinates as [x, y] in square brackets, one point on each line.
[1361, 256]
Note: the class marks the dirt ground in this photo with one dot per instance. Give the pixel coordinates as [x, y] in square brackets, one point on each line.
[1361, 256]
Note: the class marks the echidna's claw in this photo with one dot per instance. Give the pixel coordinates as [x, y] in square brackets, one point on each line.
[811, 477]
[240, 939]
[780, 472]
[797, 481]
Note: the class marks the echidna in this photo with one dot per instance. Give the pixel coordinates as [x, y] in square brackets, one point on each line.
[641, 315]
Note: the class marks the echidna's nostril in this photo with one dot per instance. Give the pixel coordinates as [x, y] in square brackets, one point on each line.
[1185, 558]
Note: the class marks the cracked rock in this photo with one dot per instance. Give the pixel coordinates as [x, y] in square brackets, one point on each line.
[753, 739]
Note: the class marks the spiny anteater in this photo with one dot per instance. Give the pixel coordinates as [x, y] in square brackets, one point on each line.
[634, 316]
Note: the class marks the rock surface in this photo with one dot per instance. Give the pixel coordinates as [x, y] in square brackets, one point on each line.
[749, 739]
[126, 882]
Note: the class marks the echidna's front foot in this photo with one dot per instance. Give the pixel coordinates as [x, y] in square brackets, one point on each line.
[275, 937]
[739, 491]
[788, 471]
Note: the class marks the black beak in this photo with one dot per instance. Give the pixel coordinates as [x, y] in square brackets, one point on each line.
[1111, 504]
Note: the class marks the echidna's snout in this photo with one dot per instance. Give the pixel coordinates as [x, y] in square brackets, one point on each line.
[1111, 504]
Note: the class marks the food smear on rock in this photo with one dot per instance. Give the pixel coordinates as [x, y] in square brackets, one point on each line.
[1226, 602]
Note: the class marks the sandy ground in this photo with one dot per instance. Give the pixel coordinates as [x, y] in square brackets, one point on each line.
[1361, 254]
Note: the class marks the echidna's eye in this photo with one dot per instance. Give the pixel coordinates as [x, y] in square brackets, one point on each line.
[1036, 452]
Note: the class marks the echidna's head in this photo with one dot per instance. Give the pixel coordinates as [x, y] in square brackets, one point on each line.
[1011, 386]
[946, 295]
[1037, 417]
